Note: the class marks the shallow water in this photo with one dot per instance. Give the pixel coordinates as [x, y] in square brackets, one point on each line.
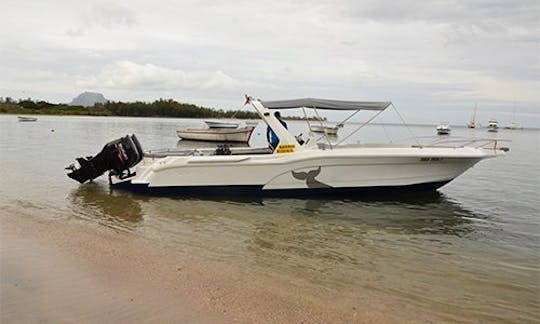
[469, 252]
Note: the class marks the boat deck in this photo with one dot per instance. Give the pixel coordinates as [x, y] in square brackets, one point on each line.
[220, 150]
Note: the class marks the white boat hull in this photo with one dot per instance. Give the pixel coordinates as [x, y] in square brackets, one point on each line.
[308, 173]
[221, 123]
[217, 134]
[493, 126]
[443, 129]
[329, 130]
[513, 126]
[26, 119]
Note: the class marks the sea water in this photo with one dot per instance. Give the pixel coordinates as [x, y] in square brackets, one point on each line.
[467, 252]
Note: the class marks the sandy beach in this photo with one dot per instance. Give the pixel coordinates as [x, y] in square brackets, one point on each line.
[73, 271]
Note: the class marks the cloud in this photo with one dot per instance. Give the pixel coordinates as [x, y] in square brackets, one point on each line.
[416, 53]
[437, 11]
[133, 76]
[106, 16]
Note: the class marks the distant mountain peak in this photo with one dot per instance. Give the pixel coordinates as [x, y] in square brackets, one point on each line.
[88, 99]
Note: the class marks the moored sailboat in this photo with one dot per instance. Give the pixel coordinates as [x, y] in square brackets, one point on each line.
[514, 124]
[472, 123]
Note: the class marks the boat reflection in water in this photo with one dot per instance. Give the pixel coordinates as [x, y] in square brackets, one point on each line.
[95, 201]
[352, 243]
[373, 245]
[425, 213]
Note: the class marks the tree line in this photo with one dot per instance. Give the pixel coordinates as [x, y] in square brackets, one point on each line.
[158, 108]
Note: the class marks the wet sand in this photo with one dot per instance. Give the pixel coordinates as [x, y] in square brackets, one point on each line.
[75, 271]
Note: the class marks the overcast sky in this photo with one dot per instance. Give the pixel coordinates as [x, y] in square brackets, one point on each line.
[434, 60]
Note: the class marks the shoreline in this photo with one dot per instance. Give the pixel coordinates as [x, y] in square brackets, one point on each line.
[73, 271]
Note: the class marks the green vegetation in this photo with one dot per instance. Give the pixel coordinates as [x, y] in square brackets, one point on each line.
[158, 108]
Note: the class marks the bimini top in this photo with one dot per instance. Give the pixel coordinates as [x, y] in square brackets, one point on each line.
[326, 104]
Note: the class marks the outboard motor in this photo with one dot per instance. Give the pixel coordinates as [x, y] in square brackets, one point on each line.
[117, 156]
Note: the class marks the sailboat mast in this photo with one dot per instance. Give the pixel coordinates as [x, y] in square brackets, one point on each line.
[472, 124]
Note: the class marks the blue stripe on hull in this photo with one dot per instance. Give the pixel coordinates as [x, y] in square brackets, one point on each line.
[256, 191]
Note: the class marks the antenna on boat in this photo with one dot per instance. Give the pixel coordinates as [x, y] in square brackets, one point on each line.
[248, 99]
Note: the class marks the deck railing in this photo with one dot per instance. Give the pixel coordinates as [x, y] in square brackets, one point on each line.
[487, 143]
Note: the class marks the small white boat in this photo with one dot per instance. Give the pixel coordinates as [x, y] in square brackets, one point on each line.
[493, 126]
[220, 123]
[26, 118]
[295, 168]
[252, 122]
[328, 130]
[443, 128]
[217, 134]
[514, 125]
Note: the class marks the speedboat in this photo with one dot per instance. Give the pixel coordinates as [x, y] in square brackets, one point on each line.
[26, 119]
[296, 167]
[217, 134]
[493, 126]
[221, 123]
[443, 128]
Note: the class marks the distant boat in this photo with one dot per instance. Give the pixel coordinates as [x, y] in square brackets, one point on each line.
[472, 123]
[328, 130]
[252, 122]
[217, 134]
[514, 124]
[220, 123]
[26, 118]
[443, 128]
[493, 126]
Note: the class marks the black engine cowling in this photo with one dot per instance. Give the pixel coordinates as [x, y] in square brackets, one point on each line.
[117, 156]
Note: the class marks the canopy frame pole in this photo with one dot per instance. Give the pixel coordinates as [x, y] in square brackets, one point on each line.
[351, 116]
[404, 123]
[364, 124]
[306, 117]
[309, 125]
[322, 125]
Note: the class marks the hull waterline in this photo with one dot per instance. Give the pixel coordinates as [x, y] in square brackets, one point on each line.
[258, 191]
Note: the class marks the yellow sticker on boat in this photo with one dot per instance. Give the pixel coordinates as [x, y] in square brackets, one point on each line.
[289, 148]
